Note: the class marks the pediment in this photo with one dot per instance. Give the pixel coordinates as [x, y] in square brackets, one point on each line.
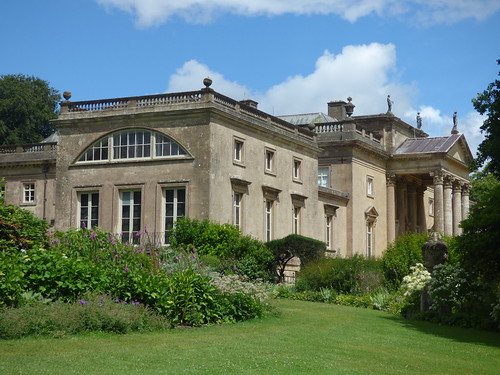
[371, 212]
[460, 151]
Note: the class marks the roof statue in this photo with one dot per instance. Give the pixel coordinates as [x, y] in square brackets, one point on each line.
[419, 121]
[389, 104]
[454, 130]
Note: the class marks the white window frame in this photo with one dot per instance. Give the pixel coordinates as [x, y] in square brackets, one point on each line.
[269, 219]
[324, 177]
[238, 150]
[369, 238]
[328, 231]
[270, 161]
[92, 215]
[431, 206]
[237, 208]
[369, 186]
[297, 169]
[106, 148]
[133, 227]
[29, 192]
[296, 213]
[177, 205]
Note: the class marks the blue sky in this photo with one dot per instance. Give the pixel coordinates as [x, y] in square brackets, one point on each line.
[292, 56]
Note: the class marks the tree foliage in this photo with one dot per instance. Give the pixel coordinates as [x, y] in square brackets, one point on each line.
[294, 245]
[27, 105]
[488, 102]
[479, 245]
[482, 181]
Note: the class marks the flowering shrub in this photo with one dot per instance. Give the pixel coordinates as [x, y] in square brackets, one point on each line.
[91, 313]
[236, 284]
[416, 281]
[400, 255]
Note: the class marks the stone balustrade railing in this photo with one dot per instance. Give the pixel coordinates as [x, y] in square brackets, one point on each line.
[335, 127]
[30, 147]
[130, 102]
[204, 95]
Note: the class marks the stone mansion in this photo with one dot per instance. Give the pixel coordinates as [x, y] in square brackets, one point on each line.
[139, 163]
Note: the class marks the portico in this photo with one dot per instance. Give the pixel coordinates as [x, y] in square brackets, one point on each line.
[432, 194]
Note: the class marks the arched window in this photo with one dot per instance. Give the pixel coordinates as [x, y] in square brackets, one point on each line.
[132, 144]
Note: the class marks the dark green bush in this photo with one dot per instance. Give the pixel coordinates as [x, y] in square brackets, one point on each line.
[235, 252]
[400, 255]
[188, 299]
[294, 245]
[207, 237]
[20, 230]
[13, 267]
[354, 275]
[57, 276]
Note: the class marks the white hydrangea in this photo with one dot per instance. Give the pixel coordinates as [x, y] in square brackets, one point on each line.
[416, 280]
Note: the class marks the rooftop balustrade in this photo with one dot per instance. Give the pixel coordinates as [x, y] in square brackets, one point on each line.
[201, 96]
[342, 128]
[30, 147]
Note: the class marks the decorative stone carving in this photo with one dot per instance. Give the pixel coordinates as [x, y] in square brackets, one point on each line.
[390, 179]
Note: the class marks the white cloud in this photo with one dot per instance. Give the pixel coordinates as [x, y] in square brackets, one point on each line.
[363, 72]
[154, 12]
[190, 77]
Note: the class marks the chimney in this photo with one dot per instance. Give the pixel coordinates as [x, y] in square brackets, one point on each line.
[249, 102]
[336, 109]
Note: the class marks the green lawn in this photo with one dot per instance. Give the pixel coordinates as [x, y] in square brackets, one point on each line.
[308, 338]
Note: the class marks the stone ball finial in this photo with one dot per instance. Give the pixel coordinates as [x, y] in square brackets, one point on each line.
[311, 126]
[67, 95]
[207, 82]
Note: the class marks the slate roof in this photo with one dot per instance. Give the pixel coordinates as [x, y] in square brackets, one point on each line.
[54, 137]
[427, 145]
[308, 118]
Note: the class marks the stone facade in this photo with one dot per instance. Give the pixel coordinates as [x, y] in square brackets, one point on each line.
[139, 163]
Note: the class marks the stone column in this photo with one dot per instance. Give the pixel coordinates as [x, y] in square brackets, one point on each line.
[457, 207]
[465, 200]
[422, 221]
[391, 208]
[412, 207]
[447, 208]
[401, 197]
[438, 202]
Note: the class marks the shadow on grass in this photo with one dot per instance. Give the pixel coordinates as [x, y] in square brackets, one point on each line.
[466, 335]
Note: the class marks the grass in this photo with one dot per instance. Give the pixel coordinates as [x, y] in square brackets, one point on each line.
[308, 338]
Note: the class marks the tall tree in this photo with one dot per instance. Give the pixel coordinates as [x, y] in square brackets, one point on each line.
[488, 102]
[27, 104]
[479, 245]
